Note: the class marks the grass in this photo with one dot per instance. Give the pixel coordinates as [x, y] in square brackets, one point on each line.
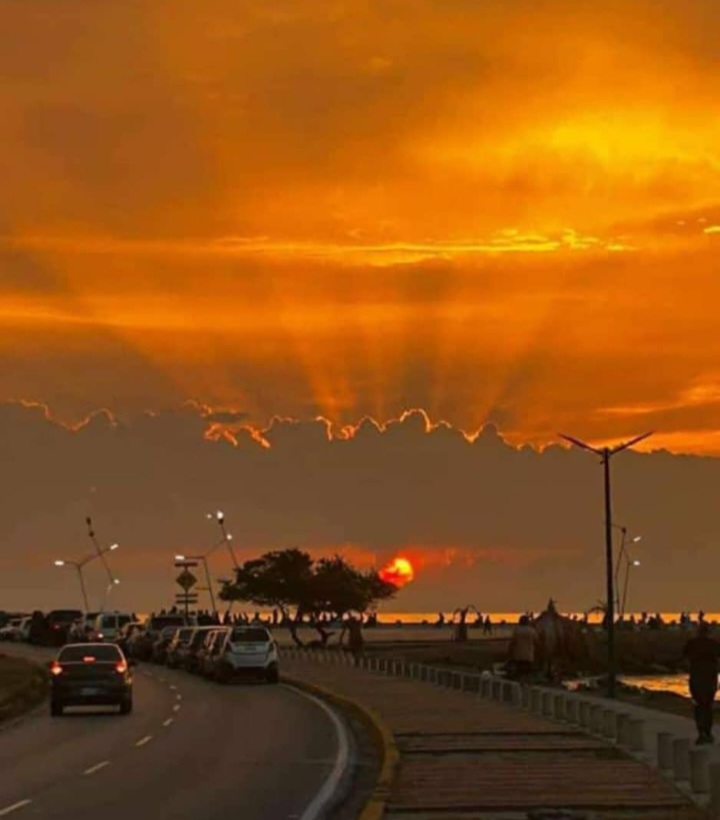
[23, 685]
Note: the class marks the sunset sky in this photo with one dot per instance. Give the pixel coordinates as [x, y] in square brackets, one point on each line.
[495, 211]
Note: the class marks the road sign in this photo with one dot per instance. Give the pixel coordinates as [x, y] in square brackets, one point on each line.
[186, 580]
[186, 564]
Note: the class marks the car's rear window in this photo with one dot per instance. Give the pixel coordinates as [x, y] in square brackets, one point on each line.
[101, 652]
[124, 619]
[250, 636]
[68, 615]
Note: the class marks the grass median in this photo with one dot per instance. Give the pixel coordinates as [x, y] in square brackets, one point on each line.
[23, 685]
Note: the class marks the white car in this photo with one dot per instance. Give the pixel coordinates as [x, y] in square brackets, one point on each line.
[18, 629]
[244, 651]
[107, 625]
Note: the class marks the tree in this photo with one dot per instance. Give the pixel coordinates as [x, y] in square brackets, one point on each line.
[289, 580]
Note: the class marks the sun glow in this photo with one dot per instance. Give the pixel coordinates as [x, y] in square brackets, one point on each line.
[399, 572]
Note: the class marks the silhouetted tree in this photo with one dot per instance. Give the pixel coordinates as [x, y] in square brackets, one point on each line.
[299, 587]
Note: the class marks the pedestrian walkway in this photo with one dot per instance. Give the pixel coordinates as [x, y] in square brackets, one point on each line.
[465, 757]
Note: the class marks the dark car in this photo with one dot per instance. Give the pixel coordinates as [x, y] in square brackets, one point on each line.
[210, 649]
[188, 654]
[58, 623]
[161, 644]
[90, 674]
[178, 644]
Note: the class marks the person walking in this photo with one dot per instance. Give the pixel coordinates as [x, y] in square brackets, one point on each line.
[522, 648]
[702, 653]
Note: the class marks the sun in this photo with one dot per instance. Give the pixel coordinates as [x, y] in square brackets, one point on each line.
[398, 572]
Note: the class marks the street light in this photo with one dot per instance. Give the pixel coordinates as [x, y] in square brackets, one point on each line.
[629, 564]
[208, 580]
[100, 551]
[219, 516]
[78, 566]
[622, 554]
[606, 453]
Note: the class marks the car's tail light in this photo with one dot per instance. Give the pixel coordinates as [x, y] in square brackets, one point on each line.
[121, 667]
[89, 659]
[55, 668]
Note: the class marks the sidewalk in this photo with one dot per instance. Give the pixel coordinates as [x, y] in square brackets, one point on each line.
[463, 757]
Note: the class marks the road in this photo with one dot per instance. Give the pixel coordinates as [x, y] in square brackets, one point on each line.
[190, 749]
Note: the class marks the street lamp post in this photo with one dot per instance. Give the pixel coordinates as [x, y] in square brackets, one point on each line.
[219, 516]
[606, 453]
[622, 553]
[629, 564]
[78, 566]
[100, 551]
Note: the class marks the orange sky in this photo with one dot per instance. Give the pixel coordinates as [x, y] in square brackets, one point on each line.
[490, 210]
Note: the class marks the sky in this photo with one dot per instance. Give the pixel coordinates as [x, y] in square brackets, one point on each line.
[228, 218]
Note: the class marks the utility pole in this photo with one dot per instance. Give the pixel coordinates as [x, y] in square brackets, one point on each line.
[606, 453]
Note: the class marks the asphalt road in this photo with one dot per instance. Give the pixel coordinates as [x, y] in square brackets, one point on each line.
[190, 750]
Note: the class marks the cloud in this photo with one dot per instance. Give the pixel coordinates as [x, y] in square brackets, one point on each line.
[482, 521]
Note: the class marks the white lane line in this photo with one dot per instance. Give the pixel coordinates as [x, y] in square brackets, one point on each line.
[167, 722]
[144, 740]
[14, 807]
[176, 708]
[162, 680]
[178, 697]
[317, 806]
[97, 767]
[172, 686]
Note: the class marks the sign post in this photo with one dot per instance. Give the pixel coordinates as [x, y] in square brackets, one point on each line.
[186, 581]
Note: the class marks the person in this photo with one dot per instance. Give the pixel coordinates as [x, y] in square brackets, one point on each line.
[702, 653]
[487, 626]
[522, 648]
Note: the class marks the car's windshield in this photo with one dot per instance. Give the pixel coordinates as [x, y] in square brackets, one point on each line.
[250, 636]
[75, 653]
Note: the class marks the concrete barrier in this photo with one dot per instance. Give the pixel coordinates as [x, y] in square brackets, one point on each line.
[636, 735]
[456, 680]
[572, 711]
[700, 770]
[681, 758]
[585, 714]
[535, 700]
[609, 724]
[423, 673]
[622, 737]
[714, 777]
[596, 718]
[547, 704]
[496, 688]
[665, 751]
[485, 686]
[471, 683]
[524, 696]
[559, 706]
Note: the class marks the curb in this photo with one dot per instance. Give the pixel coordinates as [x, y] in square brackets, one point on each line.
[381, 736]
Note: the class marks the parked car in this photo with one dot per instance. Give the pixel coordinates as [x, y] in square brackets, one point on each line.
[57, 625]
[17, 629]
[189, 658]
[204, 656]
[161, 644]
[179, 641]
[107, 625]
[85, 674]
[248, 651]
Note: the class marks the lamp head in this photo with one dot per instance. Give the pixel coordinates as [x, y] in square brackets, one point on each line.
[637, 538]
[636, 563]
[59, 563]
[220, 515]
[179, 557]
[113, 547]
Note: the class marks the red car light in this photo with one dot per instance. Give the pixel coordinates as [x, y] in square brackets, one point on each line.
[88, 659]
[56, 669]
[121, 667]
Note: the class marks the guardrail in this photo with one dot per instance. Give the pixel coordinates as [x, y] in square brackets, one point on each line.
[696, 771]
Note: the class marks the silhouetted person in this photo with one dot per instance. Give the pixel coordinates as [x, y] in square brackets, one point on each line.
[487, 626]
[440, 620]
[702, 652]
[522, 648]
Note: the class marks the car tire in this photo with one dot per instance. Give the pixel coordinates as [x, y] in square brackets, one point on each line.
[272, 675]
[56, 708]
[126, 706]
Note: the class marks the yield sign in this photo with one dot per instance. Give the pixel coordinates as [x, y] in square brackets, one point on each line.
[186, 580]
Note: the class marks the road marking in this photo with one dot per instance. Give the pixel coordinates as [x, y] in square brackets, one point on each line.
[144, 740]
[318, 805]
[172, 686]
[176, 708]
[97, 767]
[162, 680]
[14, 807]
[167, 722]
[178, 697]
